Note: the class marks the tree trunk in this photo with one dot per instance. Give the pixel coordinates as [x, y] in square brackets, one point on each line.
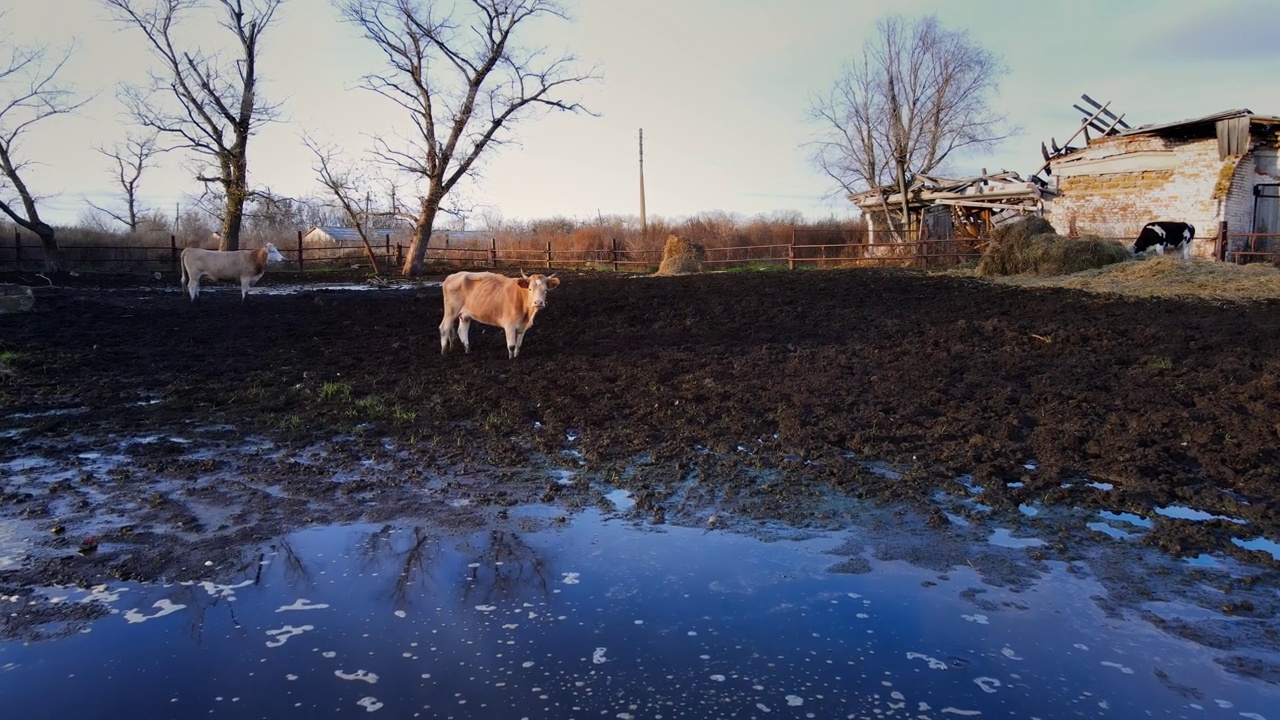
[237, 193]
[902, 190]
[421, 235]
[49, 247]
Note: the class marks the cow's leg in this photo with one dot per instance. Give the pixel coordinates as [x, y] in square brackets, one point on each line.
[1186, 251]
[244, 287]
[464, 330]
[446, 332]
[513, 341]
[193, 286]
[1160, 249]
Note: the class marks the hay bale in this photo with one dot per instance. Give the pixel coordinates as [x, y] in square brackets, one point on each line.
[681, 257]
[1032, 247]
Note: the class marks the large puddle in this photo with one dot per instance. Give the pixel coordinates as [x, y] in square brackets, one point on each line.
[598, 617]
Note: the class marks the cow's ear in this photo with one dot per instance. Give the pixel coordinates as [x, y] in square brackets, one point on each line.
[523, 282]
[553, 282]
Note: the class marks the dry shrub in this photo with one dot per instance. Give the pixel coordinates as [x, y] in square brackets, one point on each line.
[1171, 276]
[680, 257]
[1031, 247]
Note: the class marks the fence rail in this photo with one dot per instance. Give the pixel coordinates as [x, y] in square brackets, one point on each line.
[25, 254]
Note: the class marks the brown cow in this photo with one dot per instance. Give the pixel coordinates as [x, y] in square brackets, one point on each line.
[492, 299]
[246, 266]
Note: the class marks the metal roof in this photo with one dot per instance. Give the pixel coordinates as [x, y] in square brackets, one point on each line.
[349, 234]
[1207, 119]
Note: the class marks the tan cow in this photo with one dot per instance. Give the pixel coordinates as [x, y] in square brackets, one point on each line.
[243, 265]
[492, 299]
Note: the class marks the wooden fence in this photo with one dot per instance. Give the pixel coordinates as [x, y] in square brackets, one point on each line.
[25, 254]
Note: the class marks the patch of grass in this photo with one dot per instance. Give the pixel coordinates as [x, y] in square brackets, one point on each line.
[335, 391]
[1160, 364]
[289, 422]
[6, 364]
[401, 415]
[372, 405]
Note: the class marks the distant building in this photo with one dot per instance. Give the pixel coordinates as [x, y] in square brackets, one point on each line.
[1220, 168]
[348, 236]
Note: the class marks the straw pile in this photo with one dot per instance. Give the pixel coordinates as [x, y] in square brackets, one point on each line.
[681, 257]
[1171, 276]
[1031, 247]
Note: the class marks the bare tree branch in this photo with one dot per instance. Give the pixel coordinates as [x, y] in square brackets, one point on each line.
[30, 93]
[202, 102]
[129, 160]
[342, 185]
[918, 95]
[458, 72]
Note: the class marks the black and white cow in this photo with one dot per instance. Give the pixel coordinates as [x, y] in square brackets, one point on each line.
[1165, 236]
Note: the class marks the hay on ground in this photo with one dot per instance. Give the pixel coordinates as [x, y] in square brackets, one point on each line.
[1171, 276]
[681, 257]
[1031, 247]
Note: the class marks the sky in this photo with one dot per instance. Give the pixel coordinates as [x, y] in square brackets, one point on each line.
[721, 89]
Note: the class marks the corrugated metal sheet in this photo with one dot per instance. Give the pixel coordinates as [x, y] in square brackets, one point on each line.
[1244, 113]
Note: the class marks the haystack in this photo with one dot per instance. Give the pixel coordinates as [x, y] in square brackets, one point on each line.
[1031, 247]
[681, 257]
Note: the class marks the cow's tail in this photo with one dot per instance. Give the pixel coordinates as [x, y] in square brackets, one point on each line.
[186, 278]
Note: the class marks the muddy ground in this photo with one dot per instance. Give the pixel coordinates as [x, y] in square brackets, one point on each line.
[148, 438]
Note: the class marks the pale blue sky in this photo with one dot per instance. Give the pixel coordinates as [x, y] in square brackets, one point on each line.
[721, 89]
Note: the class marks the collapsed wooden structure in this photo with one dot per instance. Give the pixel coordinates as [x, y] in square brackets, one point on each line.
[952, 207]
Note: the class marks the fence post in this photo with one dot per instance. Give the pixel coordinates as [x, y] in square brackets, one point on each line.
[548, 254]
[399, 254]
[17, 249]
[299, 251]
[1220, 251]
[493, 251]
[791, 251]
[613, 253]
[173, 252]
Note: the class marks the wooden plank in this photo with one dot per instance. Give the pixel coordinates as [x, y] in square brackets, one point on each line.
[984, 205]
[1112, 126]
[1105, 111]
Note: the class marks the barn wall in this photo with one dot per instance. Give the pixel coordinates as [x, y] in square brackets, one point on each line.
[1118, 204]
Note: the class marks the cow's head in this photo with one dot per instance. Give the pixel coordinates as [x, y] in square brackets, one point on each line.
[273, 255]
[538, 285]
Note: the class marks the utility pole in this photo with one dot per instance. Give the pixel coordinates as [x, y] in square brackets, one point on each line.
[644, 227]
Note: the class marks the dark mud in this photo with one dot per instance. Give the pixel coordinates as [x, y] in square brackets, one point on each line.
[173, 435]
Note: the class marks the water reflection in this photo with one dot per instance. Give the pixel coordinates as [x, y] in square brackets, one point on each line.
[598, 619]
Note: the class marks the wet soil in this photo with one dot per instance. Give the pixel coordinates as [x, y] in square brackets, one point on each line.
[173, 434]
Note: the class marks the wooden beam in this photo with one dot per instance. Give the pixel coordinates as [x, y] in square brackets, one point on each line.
[1119, 120]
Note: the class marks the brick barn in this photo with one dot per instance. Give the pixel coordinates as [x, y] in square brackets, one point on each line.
[1217, 172]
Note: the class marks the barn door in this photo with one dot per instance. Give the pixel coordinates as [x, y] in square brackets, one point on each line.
[1266, 208]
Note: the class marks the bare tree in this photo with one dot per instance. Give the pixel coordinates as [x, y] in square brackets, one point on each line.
[346, 190]
[919, 94]
[129, 159]
[29, 93]
[204, 102]
[459, 73]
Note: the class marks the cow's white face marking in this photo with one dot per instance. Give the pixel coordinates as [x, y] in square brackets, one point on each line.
[273, 255]
[538, 285]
